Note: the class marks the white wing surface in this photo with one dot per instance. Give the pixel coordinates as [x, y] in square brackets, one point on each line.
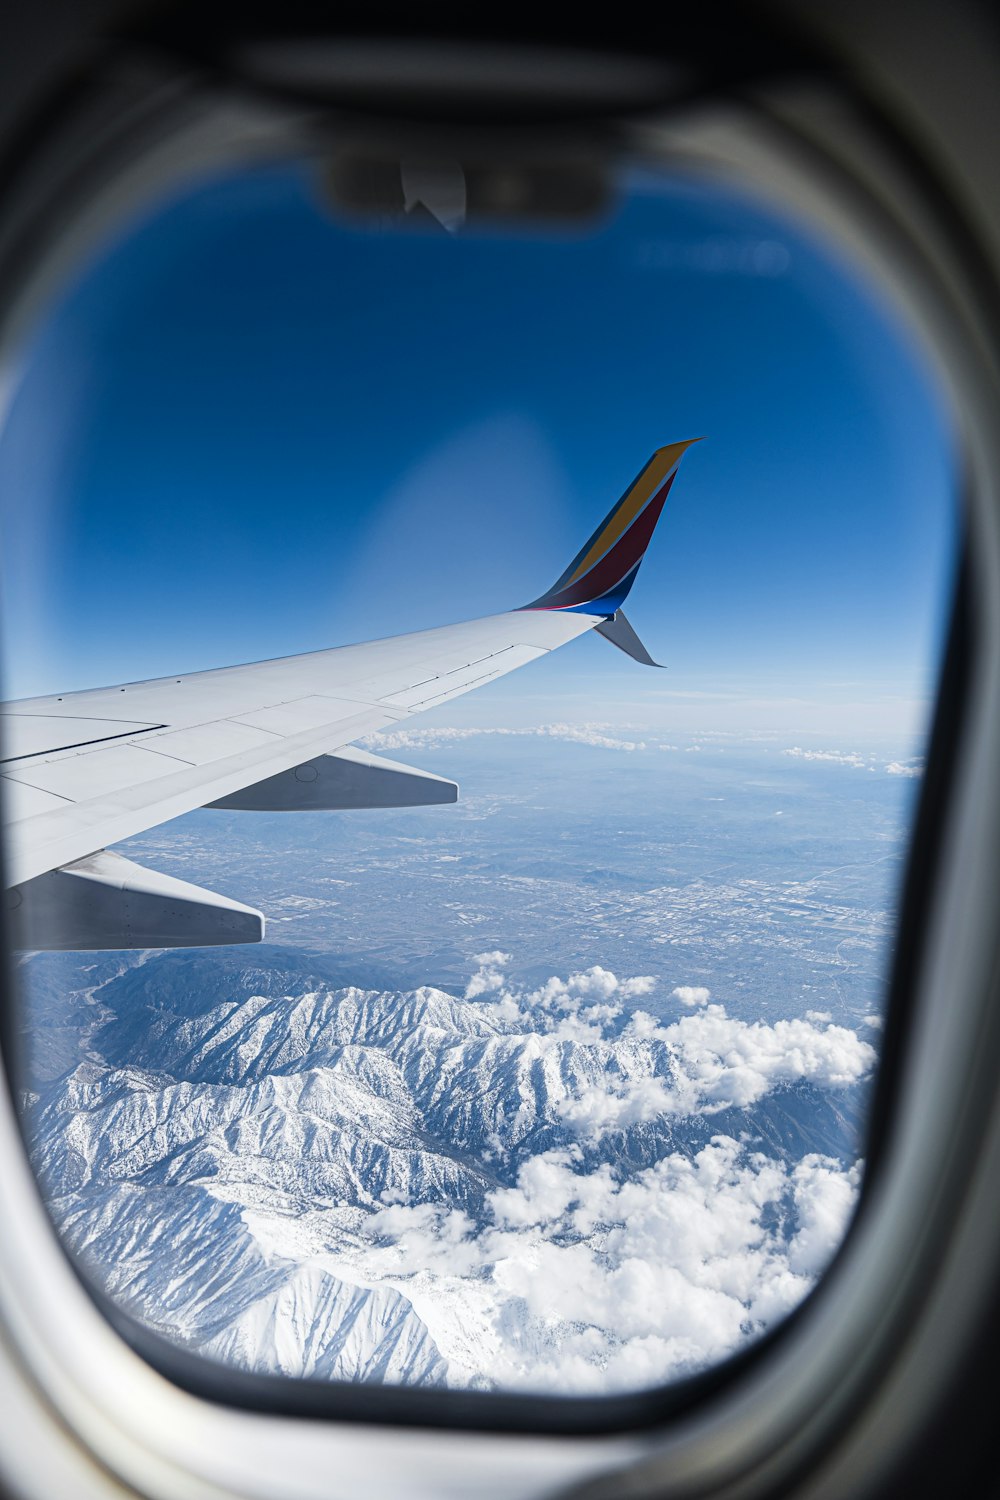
[81, 771]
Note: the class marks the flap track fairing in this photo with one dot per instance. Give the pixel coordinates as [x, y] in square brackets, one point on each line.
[349, 779]
[106, 901]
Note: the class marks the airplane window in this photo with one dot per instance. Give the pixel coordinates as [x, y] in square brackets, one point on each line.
[560, 1086]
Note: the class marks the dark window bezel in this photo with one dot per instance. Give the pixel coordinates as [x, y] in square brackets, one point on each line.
[488, 1411]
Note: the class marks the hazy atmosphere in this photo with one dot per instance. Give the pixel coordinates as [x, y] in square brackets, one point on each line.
[563, 1087]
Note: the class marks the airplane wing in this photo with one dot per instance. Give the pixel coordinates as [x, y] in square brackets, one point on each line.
[84, 770]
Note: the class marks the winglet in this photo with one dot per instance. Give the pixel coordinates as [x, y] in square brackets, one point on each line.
[598, 579]
[619, 632]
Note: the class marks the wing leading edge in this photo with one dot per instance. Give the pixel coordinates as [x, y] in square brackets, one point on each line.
[84, 770]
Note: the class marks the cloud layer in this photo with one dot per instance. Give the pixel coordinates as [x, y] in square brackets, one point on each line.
[605, 736]
[583, 1276]
[701, 1063]
[582, 1282]
[905, 768]
[838, 757]
[541, 1186]
[914, 766]
[430, 739]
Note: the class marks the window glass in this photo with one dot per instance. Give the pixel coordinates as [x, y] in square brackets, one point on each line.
[562, 1087]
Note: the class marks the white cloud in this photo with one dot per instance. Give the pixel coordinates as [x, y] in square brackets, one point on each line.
[594, 734]
[605, 736]
[707, 1062]
[584, 734]
[824, 1196]
[578, 1281]
[914, 766]
[692, 994]
[489, 976]
[644, 1070]
[581, 1006]
[617, 1104]
[723, 1060]
[905, 768]
[837, 757]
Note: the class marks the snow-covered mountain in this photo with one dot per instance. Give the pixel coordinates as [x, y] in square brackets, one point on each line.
[518, 1187]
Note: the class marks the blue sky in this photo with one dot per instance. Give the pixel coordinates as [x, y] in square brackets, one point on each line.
[248, 430]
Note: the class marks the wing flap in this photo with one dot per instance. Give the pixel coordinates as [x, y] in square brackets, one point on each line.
[299, 714]
[200, 744]
[106, 901]
[26, 734]
[92, 773]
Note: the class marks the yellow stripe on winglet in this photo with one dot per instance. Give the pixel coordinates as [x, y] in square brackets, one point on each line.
[645, 487]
